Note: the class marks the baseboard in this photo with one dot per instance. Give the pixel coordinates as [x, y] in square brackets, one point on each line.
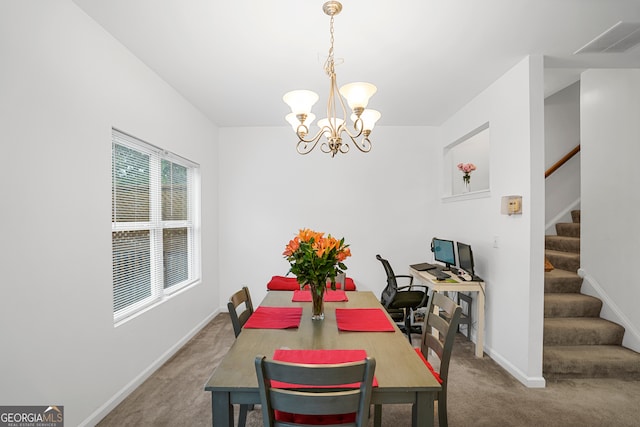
[117, 398]
[611, 311]
[527, 381]
[549, 227]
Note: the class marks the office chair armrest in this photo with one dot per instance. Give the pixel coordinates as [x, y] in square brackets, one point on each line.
[405, 276]
[425, 298]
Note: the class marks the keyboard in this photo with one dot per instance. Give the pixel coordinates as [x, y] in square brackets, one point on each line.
[425, 266]
[439, 275]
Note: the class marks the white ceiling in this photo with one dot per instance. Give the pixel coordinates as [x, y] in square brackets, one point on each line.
[235, 59]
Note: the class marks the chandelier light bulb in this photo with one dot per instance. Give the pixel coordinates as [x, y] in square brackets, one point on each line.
[369, 118]
[300, 101]
[358, 94]
[324, 123]
[294, 121]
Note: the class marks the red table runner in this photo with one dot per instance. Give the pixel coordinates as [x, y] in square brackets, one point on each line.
[329, 296]
[274, 318]
[363, 320]
[319, 357]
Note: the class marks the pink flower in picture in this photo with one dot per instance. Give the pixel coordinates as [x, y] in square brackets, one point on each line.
[466, 168]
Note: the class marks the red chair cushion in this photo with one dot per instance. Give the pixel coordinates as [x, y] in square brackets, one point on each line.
[426, 362]
[349, 284]
[281, 283]
[317, 420]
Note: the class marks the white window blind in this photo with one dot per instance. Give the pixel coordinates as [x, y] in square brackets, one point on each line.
[155, 224]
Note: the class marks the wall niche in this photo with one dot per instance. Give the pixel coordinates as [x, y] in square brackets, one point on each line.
[471, 148]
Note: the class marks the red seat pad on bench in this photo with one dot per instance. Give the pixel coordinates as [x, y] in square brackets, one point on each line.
[281, 283]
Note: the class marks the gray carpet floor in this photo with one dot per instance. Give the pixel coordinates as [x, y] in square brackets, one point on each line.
[481, 393]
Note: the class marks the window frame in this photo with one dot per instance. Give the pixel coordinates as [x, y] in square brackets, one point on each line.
[156, 225]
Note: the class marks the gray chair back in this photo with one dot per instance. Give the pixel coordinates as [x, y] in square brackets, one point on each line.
[238, 320]
[320, 400]
[445, 321]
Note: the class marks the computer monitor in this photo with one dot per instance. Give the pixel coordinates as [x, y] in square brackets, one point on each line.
[443, 252]
[465, 258]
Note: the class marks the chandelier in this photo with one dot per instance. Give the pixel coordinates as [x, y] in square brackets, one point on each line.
[332, 127]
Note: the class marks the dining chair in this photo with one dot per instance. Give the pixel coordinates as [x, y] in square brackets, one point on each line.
[400, 301]
[238, 320]
[315, 394]
[442, 319]
[438, 335]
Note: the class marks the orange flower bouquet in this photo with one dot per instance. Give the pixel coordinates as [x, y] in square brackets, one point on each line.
[316, 259]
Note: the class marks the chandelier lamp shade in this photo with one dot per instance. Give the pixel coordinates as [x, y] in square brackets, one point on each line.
[333, 128]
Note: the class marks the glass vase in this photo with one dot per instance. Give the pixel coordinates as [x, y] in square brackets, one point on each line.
[317, 301]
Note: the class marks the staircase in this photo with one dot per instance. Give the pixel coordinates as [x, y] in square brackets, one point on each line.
[577, 342]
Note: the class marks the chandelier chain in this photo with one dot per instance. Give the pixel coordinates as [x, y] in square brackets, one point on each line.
[329, 66]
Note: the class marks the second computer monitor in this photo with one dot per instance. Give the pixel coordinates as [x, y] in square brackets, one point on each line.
[465, 258]
[443, 252]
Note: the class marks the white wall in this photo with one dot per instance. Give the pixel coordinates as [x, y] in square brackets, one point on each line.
[513, 271]
[378, 201]
[610, 229]
[562, 134]
[64, 82]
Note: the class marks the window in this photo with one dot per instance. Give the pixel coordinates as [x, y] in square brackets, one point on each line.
[154, 224]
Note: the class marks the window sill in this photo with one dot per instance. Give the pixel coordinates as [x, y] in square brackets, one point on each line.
[467, 196]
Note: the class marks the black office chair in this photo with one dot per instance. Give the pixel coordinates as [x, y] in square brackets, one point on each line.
[400, 301]
[240, 297]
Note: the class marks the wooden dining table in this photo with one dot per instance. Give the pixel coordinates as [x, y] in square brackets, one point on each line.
[401, 376]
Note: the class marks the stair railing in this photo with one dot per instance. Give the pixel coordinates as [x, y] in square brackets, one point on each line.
[562, 161]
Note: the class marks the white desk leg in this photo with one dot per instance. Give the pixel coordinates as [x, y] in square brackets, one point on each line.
[480, 335]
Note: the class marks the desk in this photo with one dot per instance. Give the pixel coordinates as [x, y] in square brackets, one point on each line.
[462, 286]
[401, 375]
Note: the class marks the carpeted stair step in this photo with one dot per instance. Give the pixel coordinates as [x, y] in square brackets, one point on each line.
[569, 229]
[562, 281]
[571, 305]
[581, 331]
[590, 361]
[563, 260]
[575, 216]
[562, 243]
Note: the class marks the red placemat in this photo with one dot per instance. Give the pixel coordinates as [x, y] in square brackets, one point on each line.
[363, 320]
[274, 318]
[329, 296]
[319, 357]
